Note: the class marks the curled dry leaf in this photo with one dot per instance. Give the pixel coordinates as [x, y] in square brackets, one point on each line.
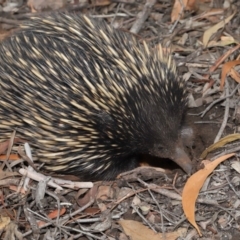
[41, 5]
[4, 221]
[225, 41]
[52, 215]
[209, 32]
[179, 7]
[227, 67]
[235, 75]
[222, 59]
[223, 141]
[137, 231]
[91, 194]
[105, 192]
[193, 186]
[236, 166]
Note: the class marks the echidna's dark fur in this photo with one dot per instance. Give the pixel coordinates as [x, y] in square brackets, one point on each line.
[87, 97]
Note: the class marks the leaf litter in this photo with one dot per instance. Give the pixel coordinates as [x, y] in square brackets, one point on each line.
[148, 202]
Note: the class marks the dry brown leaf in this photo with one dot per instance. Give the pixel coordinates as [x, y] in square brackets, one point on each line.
[17, 189]
[41, 5]
[209, 13]
[104, 193]
[11, 157]
[223, 141]
[209, 32]
[137, 231]
[52, 215]
[92, 210]
[235, 75]
[191, 5]
[179, 7]
[4, 147]
[4, 221]
[98, 3]
[193, 186]
[225, 41]
[226, 69]
[91, 194]
[236, 166]
[221, 60]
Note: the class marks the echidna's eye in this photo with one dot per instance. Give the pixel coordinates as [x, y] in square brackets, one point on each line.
[157, 148]
[160, 147]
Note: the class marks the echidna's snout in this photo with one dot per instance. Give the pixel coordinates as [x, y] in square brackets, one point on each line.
[182, 159]
[175, 152]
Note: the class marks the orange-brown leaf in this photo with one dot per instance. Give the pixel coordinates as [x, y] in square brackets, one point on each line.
[17, 189]
[193, 186]
[178, 9]
[4, 146]
[11, 157]
[53, 215]
[137, 231]
[226, 69]
[235, 75]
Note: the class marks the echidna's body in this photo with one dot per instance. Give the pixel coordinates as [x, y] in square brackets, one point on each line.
[89, 98]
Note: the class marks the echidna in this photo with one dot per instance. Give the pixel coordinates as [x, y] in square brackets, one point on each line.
[89, 98]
